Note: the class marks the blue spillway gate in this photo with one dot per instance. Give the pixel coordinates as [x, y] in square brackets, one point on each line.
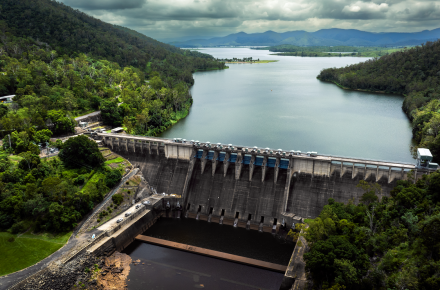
[271, 162]
[284, 163]
[210, 155]
[221, 156]
[259, 161]
[233, 157]
[199, 154]
[247, 159]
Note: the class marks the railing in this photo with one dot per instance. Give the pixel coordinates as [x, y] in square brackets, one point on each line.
[253, 150]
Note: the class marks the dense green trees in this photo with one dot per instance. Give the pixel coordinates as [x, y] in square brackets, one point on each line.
[44, 194]
[51, 89]
[71, 32]
[392, 243]
[329, 51]
[80, 151]
[26, 140]
[413, 72]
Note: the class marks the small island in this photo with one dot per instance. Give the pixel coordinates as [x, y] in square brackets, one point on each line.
[244, 60]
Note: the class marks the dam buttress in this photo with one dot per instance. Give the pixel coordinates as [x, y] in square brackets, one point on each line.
[250, 185]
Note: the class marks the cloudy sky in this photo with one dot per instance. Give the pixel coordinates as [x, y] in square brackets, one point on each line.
[162, 19]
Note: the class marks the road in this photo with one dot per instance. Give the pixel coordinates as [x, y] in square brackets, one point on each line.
[87, 116]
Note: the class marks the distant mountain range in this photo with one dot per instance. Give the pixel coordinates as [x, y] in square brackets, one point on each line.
[323, 37]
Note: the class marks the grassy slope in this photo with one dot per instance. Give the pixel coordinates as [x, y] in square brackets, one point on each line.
[27, 250]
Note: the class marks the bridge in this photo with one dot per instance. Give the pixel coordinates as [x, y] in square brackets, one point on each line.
[257, 183]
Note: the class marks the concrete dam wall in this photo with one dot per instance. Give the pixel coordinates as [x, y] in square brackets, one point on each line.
[249, 184]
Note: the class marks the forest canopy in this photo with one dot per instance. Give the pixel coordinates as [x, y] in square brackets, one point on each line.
[380, 243]
[71, 32]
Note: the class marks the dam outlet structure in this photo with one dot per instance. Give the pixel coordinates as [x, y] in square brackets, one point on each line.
[253, 187]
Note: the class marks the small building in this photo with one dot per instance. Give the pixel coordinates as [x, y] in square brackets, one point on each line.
[83, 124]
[7, 99]
[424, 157]
[117, 130]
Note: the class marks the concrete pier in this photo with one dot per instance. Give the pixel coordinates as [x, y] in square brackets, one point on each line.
[214, 254]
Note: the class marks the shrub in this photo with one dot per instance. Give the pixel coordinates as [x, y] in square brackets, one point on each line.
[79, 180]
[117, 199]
[103, 213]
[112, 177]
[17, 228]
[98, 220]
[11, 239]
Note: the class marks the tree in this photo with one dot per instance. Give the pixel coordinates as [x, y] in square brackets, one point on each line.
[29, 160]
[3, 110]
[322, 259]
[81, 151]
[61, 123]
[370, 191]
[117, 198]
[112, 177]
[43, 136]
[110, 113]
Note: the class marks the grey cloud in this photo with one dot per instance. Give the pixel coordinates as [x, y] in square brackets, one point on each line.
[169, 18]
[105, 4]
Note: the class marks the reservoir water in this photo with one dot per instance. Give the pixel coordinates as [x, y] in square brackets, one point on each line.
[283, 105]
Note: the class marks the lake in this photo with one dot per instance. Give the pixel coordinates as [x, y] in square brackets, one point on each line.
[283, 105]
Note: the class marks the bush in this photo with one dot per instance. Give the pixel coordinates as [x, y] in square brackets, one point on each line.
[11, 239]
[112, 177]
[79, 180]
[98, 220]
[117, 199]
[103, 213]
[17, 228]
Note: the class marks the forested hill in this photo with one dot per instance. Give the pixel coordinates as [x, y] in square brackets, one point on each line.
[71, 32]
[415, 73]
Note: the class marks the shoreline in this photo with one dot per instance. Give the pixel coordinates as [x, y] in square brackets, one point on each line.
[359, 90]
[245, 62]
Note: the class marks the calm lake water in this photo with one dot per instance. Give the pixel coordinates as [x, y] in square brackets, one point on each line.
[283, 105]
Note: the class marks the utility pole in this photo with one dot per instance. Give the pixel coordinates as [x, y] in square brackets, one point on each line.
[10, 146]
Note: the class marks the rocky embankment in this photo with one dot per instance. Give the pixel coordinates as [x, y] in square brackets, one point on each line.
[115, 272]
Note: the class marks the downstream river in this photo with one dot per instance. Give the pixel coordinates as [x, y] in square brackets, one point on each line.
[164, 268]
[283, 105]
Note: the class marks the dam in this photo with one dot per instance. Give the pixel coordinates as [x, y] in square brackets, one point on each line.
[253, 186]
